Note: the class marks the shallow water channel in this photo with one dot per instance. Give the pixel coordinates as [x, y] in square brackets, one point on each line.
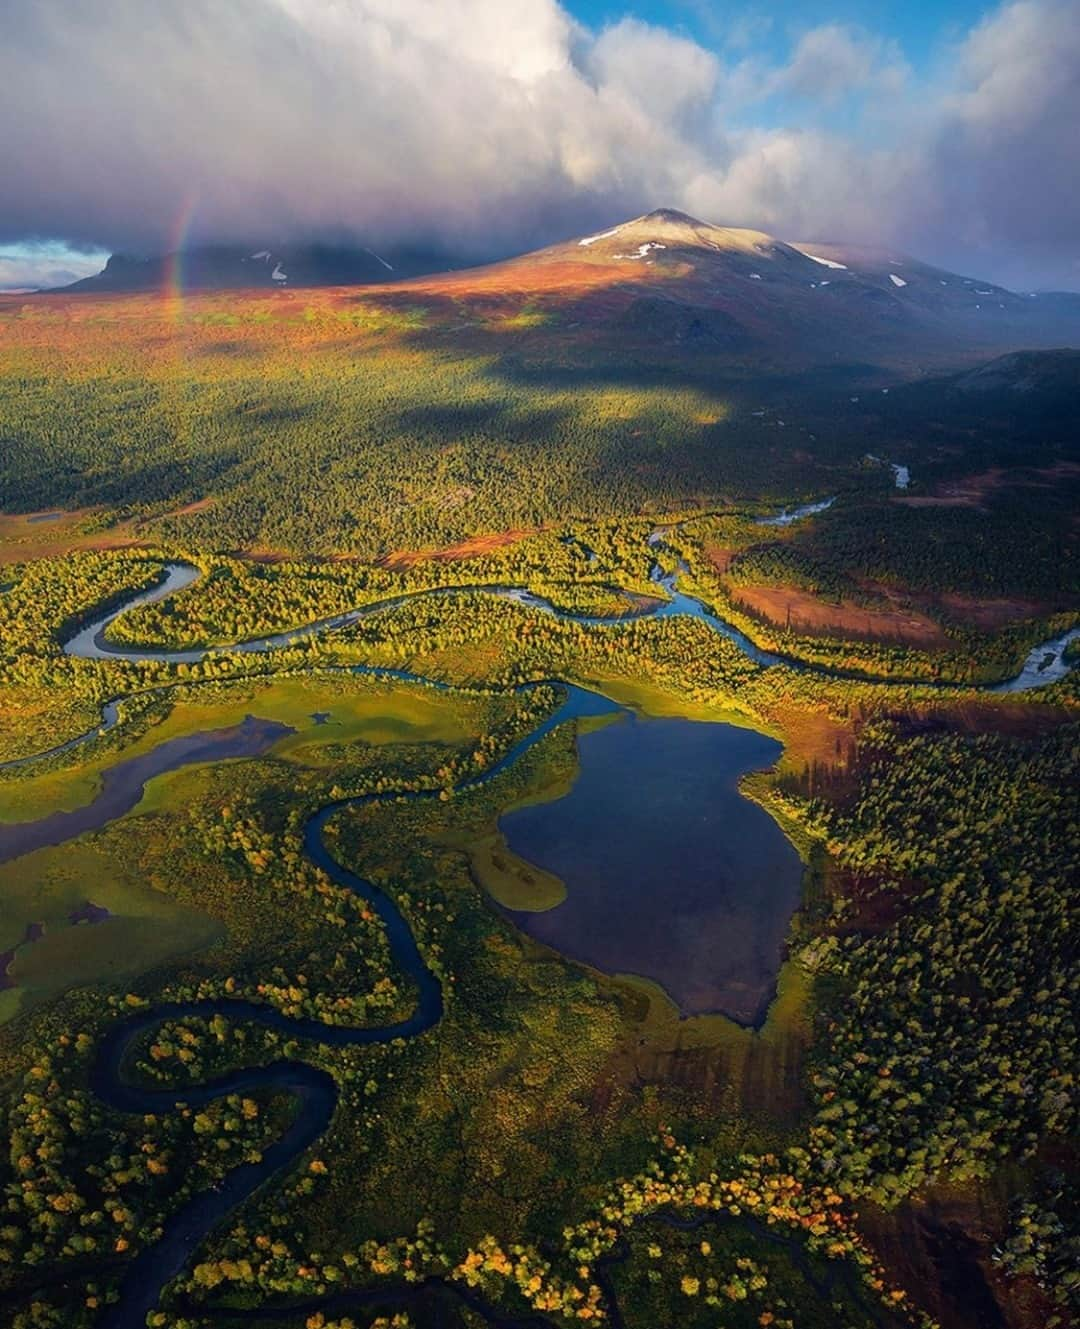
[122, 785]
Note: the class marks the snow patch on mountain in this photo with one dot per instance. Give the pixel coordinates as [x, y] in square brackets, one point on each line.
[642, 250]
[592, 239]
[825, 262]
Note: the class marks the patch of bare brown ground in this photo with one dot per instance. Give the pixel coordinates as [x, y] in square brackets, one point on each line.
[719, 557]
[22, 540]
[474, 547]
[804, 612]
[938, 1246]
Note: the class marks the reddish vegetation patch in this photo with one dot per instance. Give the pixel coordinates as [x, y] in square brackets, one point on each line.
[803, 612]
[945, 501]
[812, 736]
[876, 900]
[632, 602]
[973, 489]
[719, 557]
[987, 614]
[939, 1247]
[1014, 719]
[262, 555]
[56, 548]
[474, 547]
[22, 540]
[991, 614]
[966, 493]
[564, 277]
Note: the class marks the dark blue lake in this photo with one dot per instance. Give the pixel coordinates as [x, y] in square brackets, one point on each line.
[670, 872]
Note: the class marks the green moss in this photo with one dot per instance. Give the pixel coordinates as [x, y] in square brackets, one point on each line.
[145, 927]
[509, 879]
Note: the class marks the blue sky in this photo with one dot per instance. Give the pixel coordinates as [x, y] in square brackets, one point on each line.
[920, 26]
[29, 263]
[922, 33]
[492, 126]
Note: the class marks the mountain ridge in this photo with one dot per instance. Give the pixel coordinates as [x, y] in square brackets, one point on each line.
[752, 294]
[669, 277]
[237, 267]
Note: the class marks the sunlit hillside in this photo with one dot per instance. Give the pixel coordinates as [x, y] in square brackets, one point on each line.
[646, 368]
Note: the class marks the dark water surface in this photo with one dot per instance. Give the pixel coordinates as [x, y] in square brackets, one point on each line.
[670, 872]
[122, 785]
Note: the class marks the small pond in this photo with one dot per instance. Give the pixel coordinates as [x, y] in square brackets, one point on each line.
[670, 873]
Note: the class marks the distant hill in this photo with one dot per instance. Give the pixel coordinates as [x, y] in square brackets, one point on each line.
[1021, 409]
[648, 367]
[1049, 375]
[668, 279]
[220, 267]
[1023, 392]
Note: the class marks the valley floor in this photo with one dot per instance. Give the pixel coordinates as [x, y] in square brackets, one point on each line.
[444, 1108]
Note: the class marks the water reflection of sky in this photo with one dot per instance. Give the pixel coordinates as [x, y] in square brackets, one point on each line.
[670, 873]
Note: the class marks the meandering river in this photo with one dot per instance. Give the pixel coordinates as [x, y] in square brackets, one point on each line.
[122, 785]
[317, 1092]
[608, 773]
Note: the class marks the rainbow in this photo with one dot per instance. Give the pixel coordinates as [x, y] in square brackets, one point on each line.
[172, 291]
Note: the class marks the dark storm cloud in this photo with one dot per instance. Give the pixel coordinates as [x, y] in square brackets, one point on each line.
[482, 124]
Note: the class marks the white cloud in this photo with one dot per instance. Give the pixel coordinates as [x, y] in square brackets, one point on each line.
[833, 60]
[669, 79]
[467, 118]
[1003, 155]
[33, 265]
[488, 125]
